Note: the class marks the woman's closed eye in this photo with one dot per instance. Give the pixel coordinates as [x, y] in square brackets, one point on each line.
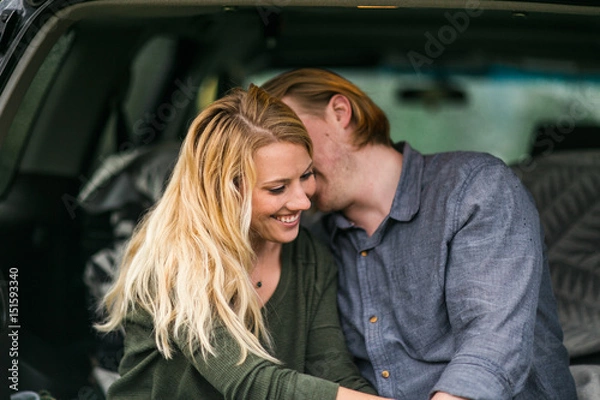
[277, 190]
[281, 188]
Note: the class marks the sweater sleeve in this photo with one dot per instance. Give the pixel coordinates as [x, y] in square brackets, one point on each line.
[255, 378]
[327, 354]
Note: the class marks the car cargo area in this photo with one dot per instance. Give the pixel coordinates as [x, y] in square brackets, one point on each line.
[97, 95]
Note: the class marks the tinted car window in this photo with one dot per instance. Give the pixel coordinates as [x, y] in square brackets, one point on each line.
[18, 133]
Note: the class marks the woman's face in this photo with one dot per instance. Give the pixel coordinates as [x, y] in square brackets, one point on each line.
[285, 182]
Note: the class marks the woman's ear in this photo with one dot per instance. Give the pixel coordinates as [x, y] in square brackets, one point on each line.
[341, 108]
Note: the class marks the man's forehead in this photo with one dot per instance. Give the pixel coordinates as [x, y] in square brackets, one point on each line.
[290, 101]
[302, 110]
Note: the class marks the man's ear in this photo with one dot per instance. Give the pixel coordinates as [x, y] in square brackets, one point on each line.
[342, 110]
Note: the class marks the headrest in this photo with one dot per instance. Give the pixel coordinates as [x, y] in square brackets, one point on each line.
[557, 136]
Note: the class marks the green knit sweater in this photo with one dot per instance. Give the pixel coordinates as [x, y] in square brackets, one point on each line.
[303, 321]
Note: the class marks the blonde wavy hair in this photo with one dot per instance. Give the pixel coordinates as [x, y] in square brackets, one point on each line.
[188, 263]
[312, 88]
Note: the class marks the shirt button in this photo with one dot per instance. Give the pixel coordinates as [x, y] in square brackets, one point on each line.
[373, 319]
[364, 253]
[385, 374]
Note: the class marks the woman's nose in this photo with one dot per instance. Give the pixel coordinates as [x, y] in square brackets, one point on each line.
[300, 199]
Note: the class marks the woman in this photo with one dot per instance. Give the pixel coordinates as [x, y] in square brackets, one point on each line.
[221, 293]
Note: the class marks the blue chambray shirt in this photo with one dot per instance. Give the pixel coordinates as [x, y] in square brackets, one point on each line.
[452, 292]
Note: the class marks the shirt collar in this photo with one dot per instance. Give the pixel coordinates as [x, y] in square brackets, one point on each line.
[408, 193]
[407, 199]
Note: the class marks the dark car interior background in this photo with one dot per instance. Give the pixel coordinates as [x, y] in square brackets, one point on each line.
[96, 96]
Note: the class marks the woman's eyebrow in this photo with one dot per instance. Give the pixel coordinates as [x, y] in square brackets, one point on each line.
[281, 180]
[286, 180]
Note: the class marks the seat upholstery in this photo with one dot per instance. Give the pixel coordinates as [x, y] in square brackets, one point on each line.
[566, 189]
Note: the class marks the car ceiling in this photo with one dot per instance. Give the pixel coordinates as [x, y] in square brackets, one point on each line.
[295, 33]
[286, 37]
[293, 36]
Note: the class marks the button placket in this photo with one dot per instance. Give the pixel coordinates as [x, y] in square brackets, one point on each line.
[373, 333]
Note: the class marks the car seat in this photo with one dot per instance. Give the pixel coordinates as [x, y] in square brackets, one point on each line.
[121, 190]
[563, 176]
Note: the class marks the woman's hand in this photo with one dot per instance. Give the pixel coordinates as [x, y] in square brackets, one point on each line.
[445, 396]
[348, 394]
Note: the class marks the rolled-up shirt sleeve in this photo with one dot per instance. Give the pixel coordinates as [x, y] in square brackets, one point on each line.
[492, 280]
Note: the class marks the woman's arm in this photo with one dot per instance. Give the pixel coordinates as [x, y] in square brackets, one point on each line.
[349, 394]
[446, 396]
[260, 379]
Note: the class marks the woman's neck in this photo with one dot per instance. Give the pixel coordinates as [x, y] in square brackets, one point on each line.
[264, 249]
[267, 269]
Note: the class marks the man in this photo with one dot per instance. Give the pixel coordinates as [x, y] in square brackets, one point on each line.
[444, 287]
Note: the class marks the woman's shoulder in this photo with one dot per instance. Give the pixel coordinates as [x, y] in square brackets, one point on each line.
[140, 317]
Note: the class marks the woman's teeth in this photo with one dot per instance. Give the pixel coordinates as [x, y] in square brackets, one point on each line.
[288, 218]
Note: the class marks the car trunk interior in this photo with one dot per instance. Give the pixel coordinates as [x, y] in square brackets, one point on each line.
[104, 69]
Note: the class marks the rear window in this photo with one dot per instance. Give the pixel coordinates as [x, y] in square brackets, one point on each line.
[497, 111]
